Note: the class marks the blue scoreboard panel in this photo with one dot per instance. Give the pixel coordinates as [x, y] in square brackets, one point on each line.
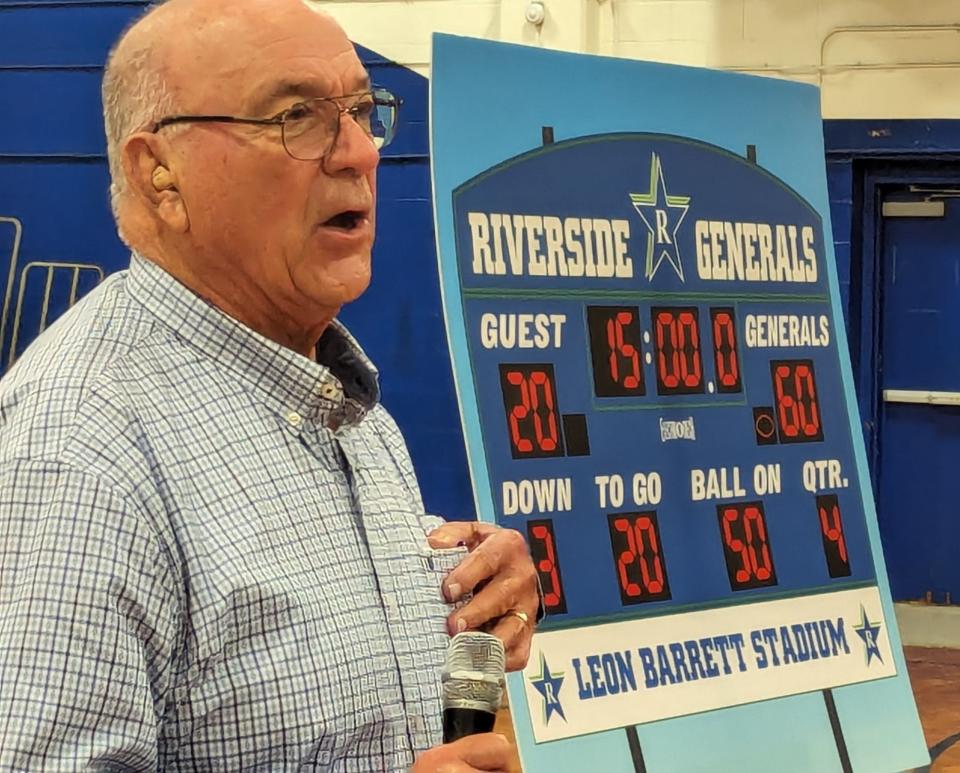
[658, 396]
[648, 355]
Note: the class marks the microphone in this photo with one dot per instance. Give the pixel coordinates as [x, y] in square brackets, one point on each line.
[472, 680]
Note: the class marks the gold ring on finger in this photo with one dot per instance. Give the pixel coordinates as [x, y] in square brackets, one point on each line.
[523, 616]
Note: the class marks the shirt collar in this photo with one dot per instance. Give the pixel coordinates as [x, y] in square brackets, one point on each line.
[336, 391]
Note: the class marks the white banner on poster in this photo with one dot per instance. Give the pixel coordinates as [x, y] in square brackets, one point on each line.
[586, 680]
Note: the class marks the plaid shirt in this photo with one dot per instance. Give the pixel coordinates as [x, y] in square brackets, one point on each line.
[212, 549]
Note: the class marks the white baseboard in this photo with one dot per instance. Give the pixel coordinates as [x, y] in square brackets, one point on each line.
[928, 625]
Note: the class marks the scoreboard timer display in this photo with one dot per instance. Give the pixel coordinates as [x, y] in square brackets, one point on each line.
[648, 354]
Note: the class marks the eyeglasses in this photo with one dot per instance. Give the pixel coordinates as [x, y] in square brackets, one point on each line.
[310, 129]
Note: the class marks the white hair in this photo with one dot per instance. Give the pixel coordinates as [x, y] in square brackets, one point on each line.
[135, 95]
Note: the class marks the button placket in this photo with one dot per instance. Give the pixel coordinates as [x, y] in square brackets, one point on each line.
[409, 592]
[329, 391]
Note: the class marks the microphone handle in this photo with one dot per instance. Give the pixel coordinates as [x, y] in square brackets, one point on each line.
[459, 722]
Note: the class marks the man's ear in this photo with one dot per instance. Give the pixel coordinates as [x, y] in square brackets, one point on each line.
[152, 180]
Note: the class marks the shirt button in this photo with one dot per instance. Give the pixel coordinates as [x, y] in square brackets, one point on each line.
[294, 419]
[329, 391]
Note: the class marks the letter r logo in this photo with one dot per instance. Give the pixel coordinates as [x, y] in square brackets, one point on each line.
[663, 236]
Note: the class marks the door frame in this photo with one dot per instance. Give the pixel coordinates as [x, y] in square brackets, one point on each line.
[882, 154]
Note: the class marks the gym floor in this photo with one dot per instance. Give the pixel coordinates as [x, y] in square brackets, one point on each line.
[935, 676]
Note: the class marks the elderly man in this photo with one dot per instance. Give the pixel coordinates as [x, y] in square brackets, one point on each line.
[213, 552]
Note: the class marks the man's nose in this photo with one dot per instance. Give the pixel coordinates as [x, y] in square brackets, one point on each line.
[353, 149]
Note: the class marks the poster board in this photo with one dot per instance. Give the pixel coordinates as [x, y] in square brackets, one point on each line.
[642, 308]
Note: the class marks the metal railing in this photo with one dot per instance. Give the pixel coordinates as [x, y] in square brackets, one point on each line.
[50, 271]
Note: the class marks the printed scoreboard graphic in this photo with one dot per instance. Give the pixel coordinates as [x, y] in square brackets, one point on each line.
[736, 350]
[713, 341]
[649, 359]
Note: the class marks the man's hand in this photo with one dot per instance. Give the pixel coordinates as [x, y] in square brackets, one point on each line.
[484, 751]
[500, 574]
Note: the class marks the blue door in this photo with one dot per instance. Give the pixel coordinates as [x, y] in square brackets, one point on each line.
[919, 373]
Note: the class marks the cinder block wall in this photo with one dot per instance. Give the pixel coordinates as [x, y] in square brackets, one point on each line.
[873, 58]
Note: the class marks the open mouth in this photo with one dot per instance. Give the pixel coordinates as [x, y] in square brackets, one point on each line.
[346, 221]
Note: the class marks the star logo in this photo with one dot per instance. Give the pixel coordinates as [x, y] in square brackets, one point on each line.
[548, 685]
[869, 632]
[662, 214]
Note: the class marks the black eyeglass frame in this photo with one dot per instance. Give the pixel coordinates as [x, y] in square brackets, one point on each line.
[379, 95]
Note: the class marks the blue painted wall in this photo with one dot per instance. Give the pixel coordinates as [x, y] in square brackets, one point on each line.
[840, 189]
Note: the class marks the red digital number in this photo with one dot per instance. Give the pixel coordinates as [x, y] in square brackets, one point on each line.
[834, 541]
[636, 550]
[668, 354]
[833, 528]
[615, 351]
[798, 409]
[540, 382]
[530, 402]
[677, 333]
[544, 553]
[619, 349]
[746, 546]
[725, 350]
[520, 412]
